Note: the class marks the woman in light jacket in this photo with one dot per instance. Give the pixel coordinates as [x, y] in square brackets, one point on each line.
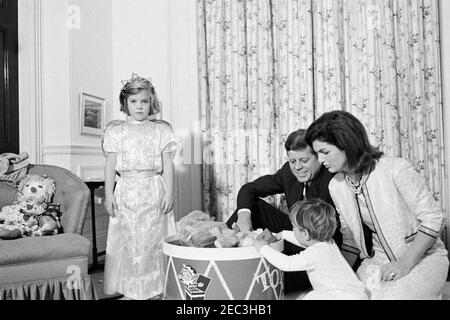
[386, 211]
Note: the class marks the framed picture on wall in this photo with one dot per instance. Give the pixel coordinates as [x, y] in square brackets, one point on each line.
[92, 114]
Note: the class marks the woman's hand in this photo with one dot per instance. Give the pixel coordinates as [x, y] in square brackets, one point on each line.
[167, 203]
[111, 205]
[394, 270]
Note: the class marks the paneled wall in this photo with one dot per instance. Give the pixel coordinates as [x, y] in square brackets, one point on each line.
[71, 46]
[444, 7]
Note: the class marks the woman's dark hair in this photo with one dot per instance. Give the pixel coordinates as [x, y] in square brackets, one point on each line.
[296, 141]
[346, 132]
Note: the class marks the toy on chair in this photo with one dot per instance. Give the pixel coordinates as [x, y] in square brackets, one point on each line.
[27, 216]
[49, 222]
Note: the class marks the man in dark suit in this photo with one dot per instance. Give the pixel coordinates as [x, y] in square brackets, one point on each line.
[302, 177]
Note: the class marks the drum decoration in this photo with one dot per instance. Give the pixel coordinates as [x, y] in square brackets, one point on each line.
[238, 273]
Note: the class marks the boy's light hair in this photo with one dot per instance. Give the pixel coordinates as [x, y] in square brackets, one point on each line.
[316, 216]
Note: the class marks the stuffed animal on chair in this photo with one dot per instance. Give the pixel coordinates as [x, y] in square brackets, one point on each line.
[49, 222]
[22, 218]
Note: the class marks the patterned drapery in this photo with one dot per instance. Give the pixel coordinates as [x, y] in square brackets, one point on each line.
[268, 67]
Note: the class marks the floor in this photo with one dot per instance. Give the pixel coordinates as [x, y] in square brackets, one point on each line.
[446, 291]
[97, 276]
[296, 295]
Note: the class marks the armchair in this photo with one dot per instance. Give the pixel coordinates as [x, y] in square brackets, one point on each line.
[49, 267]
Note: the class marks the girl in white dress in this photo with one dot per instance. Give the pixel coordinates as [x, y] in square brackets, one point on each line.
[140, 206]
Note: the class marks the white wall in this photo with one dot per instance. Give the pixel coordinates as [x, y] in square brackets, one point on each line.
[184, 103]
[141, 44]
[164, 48]
[91, 59]
[91, 71]
[444, 6]
[58, 61]
[60, 57]
[77, 58]
[30, 77]
[56, 114]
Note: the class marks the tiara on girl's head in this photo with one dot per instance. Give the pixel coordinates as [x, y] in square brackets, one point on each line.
[135, 77]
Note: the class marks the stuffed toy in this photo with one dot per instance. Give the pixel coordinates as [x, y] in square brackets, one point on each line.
[194, 229]
[225, 238]
[28, 216]
[49, 222]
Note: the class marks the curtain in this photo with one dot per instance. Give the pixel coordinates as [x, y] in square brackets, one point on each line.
[379, 59]
[255, 66]
[270, 67]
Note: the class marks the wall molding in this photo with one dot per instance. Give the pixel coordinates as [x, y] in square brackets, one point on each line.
[31, 85]
[39, 82]
[90, 172]
[72, 150]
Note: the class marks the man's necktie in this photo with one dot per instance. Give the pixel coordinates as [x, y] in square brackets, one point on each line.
[305, 191]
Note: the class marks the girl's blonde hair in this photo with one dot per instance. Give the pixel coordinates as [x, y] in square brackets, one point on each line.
[316, 216]
[135, 85]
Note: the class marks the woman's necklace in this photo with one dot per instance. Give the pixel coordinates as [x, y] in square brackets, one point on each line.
[356, 187]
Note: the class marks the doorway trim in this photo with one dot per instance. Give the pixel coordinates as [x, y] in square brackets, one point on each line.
[31, 98]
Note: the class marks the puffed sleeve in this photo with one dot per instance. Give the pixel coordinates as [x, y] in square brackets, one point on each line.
[168, 139]
[420, 200]
[109, 137]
